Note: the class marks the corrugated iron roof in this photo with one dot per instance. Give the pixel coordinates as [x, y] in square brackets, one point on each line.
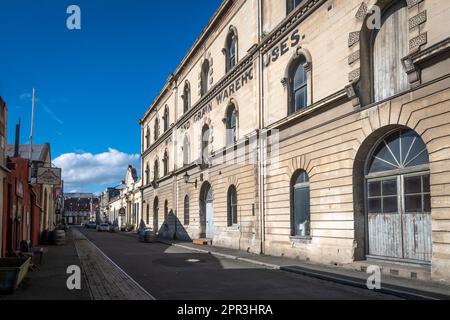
[39, 152]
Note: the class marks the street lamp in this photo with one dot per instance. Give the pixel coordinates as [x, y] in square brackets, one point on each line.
[186, 180]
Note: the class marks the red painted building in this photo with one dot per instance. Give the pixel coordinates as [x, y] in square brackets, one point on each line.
[21, 221]
[23, 202]
[3, 169]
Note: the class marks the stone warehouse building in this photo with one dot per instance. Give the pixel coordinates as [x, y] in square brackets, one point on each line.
[314, 129]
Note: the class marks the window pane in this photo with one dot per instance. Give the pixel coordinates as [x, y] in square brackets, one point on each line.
[375, 205]
[394, 145]
[427, 203]
[408, 138]
[418, 154]
[426, 183]
[413, 185]
[379, 166]
[375, 189]
[383, 153]
[301, 211]
[390, 188]
[300, 99]
[302, 178]
[420, 159]
[390, 205]
[413, 203]
[300, 76]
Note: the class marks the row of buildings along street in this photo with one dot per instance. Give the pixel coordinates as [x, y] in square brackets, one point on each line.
[280, 145]
[31, 192]
[293, 135]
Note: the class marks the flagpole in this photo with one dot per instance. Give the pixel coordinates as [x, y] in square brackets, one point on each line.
[32, 125]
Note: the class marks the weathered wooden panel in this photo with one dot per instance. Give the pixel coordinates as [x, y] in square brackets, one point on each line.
[391, 45]
[417, 238]
[385, 235]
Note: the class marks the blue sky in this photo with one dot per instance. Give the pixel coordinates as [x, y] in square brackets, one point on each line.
[92, 84]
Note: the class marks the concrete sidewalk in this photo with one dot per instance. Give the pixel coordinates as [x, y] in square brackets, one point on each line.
[49, 282]
[405, 288]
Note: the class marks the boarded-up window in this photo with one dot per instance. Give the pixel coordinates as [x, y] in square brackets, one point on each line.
[389, 47]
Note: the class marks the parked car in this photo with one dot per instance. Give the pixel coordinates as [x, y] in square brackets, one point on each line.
[91, 225]
[104, 227]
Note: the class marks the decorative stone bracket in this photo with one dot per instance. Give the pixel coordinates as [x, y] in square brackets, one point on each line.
[352, 94]
[411, 70]
[412, 62]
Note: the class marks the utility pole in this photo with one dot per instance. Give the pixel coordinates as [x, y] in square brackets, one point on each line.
[32, 124]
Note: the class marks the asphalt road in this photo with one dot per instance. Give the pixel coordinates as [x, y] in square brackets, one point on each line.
[170, 273]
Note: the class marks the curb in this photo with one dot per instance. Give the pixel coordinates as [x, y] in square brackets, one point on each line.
[398, 291]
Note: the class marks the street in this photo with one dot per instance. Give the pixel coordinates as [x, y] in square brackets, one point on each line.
[172, 273]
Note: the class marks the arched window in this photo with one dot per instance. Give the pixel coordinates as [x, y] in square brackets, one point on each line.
[292, 4]
[398, 198]
[231, 50]
[389, 46]
[186, 97]
[301, 216]
[166, 210]
[166, 163]
[232, 206]
[156, 170]
[166, 118]
[186, 210]
[205, 145]
[231, 124]
[147, 137]
[147, 174]
[156, 215]
[156, 134]
[205, 77]
[148, 214]
[186, 151]
[298, 85]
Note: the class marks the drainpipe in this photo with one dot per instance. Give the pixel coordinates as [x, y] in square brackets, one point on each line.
[175, 159]
[260, 127]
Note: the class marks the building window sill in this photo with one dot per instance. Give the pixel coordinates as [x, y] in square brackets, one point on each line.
[299, 239]
[234, 228]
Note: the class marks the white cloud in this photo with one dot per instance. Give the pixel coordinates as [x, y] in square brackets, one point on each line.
[81, 170]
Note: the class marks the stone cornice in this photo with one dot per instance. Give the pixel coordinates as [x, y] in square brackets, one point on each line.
[431, 52]
[330, 101]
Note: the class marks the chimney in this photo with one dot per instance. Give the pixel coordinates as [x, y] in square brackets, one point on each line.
[17, 141]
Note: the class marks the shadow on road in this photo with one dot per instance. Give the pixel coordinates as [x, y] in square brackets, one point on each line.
[173, 273]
